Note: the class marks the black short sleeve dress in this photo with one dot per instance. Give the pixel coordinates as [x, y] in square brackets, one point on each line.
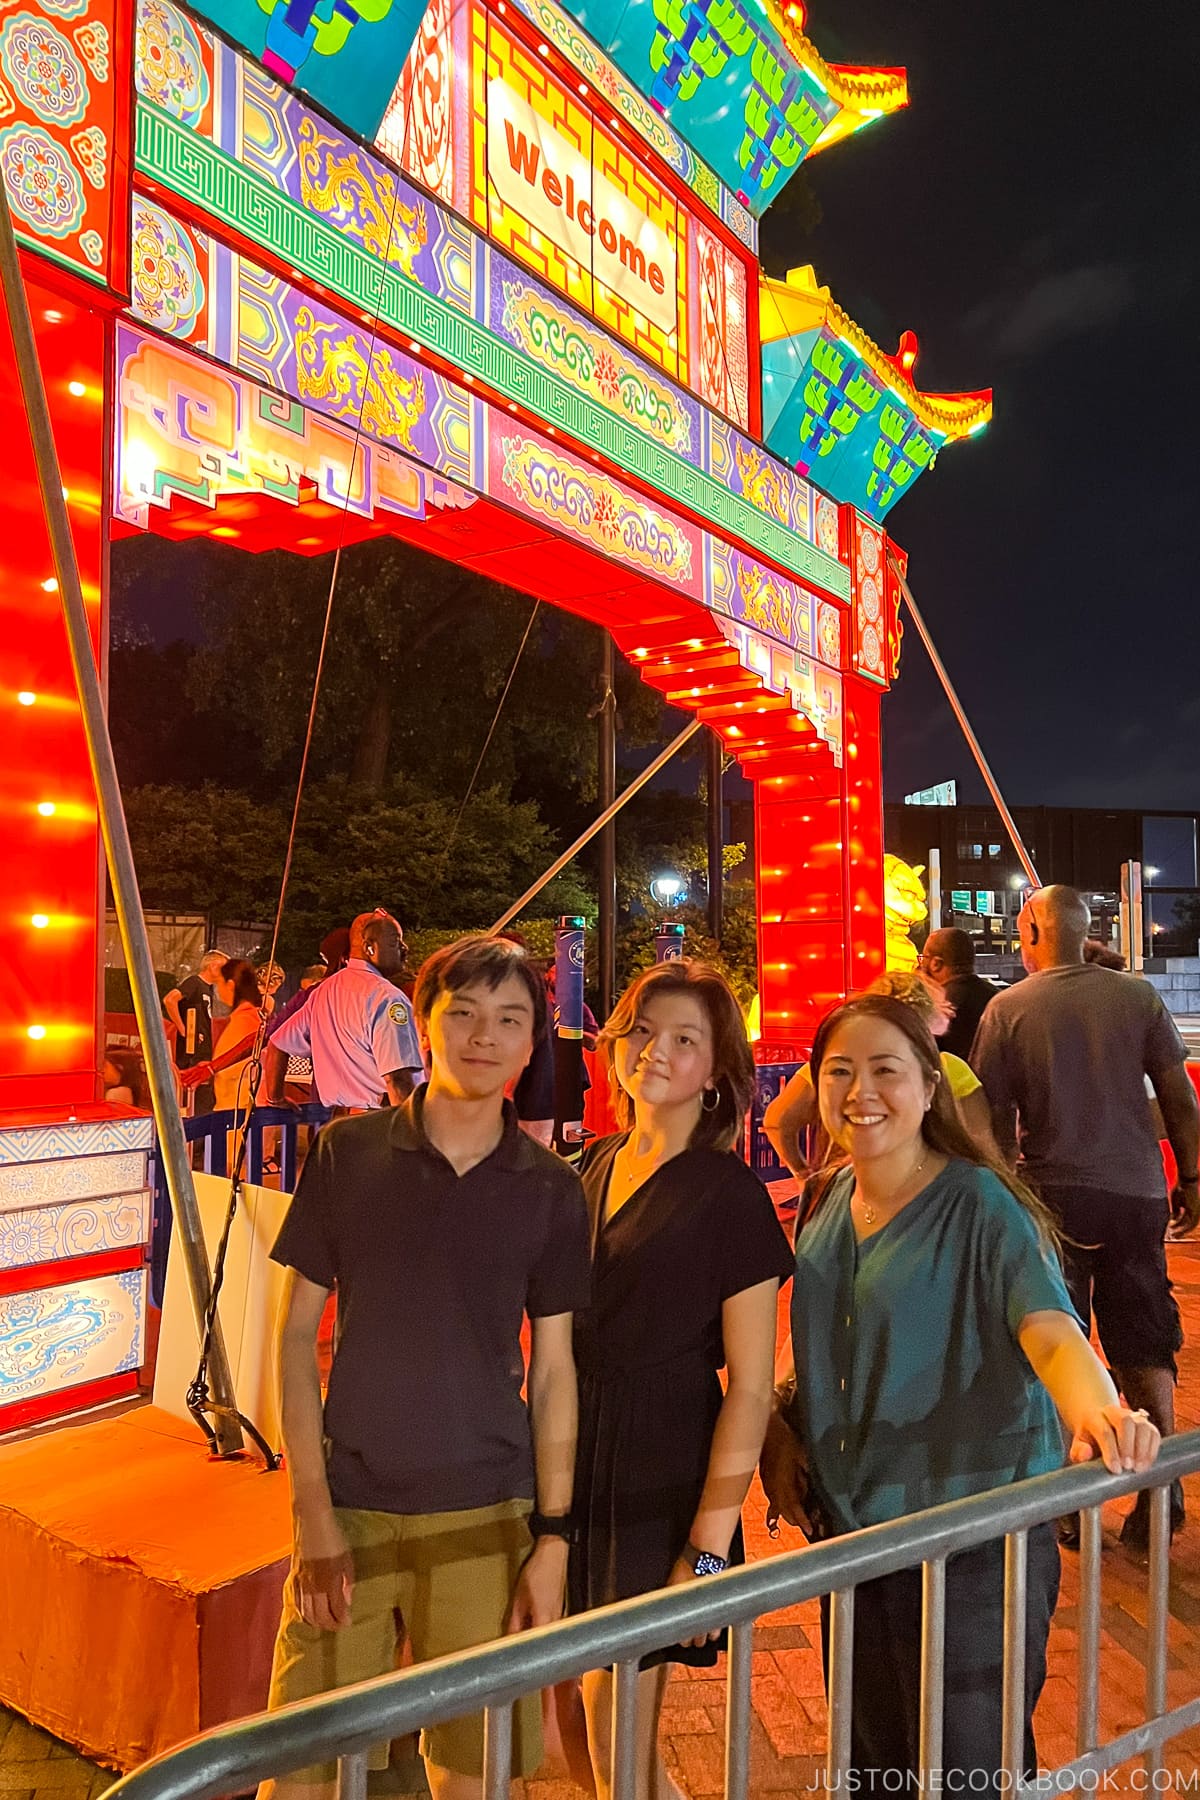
[701, 1229]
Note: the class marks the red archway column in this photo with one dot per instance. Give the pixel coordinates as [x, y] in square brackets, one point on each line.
[50, 1004]
[819, 856]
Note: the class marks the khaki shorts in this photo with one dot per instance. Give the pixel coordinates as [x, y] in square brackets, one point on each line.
[445, 1579]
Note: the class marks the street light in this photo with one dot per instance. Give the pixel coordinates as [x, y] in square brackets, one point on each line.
[668, 890]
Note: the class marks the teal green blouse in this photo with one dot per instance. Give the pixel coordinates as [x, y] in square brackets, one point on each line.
[911, 1386]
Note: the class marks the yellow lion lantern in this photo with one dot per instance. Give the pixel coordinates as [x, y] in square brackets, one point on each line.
[903, 907]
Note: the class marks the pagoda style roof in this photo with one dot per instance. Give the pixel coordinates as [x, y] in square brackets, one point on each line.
[843, 411]
[862, 94]
[741, 82]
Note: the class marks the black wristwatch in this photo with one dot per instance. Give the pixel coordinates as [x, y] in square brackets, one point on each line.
[703, 1562]
[559, 1525]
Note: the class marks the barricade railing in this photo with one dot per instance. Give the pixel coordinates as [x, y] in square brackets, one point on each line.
[213, 1130]
[346, 1724]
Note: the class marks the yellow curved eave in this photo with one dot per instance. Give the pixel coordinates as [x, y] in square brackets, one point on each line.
[863, 95]
[788, 309]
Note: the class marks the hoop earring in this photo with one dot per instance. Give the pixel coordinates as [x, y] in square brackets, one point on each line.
[716, 1100]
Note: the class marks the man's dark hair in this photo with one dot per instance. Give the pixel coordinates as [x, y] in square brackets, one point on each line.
[955, 946]
[478, 961]
[335, 948]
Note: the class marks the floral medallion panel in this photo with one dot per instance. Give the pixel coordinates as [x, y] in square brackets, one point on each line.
[64, 131]
[36, 1235]
[533, 475]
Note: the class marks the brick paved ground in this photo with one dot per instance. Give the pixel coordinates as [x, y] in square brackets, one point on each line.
[788, 1729]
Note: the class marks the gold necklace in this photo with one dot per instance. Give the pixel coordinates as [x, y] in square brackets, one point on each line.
[871, 1213]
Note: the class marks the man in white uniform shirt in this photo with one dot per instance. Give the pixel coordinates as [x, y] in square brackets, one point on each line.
[358, 1026]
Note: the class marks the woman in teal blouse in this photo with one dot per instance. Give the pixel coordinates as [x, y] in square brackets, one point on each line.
[933, 1341]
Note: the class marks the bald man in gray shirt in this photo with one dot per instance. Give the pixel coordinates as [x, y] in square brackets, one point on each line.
[1064, 1057]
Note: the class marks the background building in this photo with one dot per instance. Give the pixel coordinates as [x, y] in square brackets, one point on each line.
[983, 884]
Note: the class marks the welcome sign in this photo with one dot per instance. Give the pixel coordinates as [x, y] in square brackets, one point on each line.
[546, 178]
[548, 166]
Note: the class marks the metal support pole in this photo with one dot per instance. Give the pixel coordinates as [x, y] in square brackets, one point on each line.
[1010, 826]
[933, 1671]
[624, 1731]
[352, 1777]
[840, 1682]
[497, 1752]
[114, 829]
[933, 887]
[1133, 942]
[610, 812]
[716, 837]
[738, 1711]
[606, 923]
[1158, 1614]
[1012, 1750]
[1087, 1702]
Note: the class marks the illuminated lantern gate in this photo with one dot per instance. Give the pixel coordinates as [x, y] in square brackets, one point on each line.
[497, 293]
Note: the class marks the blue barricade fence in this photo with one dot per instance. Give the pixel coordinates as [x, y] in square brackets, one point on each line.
[213, 1130]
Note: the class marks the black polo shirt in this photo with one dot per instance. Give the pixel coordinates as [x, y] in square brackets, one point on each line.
[195, 1003]
[434, 1272]
[970, 996]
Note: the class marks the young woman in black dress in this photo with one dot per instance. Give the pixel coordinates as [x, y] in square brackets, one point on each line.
[687, 1261]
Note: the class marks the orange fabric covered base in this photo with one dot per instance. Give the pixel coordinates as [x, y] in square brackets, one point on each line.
[140, 1584]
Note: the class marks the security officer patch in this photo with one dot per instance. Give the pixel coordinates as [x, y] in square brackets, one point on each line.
[398, 1013]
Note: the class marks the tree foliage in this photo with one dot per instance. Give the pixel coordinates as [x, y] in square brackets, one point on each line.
[209, 732]
[418, 655]
[218, 850]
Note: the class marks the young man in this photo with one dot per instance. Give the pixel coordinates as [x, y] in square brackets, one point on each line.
[441, 1224]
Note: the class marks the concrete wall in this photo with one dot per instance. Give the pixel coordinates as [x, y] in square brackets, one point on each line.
[1177, 979]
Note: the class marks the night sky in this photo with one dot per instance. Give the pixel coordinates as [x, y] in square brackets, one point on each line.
[1033, 217]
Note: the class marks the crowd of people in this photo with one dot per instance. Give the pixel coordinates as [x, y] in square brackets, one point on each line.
[980, 1177]
[964, 1214]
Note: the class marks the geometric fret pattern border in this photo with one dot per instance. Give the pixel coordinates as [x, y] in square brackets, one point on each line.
[242, 201]
[41, 1143]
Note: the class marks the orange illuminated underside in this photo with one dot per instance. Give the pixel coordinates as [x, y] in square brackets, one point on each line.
[673, 641]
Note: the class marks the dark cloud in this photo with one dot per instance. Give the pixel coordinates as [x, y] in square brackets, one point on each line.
[1070, 303]
[1038, 252]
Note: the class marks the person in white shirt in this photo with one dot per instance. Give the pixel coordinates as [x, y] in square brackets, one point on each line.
[358, 1026]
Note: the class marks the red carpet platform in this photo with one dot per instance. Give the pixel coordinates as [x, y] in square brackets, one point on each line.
[140, 1584]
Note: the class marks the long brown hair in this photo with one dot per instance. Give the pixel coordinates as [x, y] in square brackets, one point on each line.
[941, 1128]
[245, 981]
[719, 1127]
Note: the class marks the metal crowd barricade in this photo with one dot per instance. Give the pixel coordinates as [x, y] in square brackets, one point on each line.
[212, 1130]
[346, 1724]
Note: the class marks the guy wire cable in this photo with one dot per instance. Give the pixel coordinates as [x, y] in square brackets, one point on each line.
[198, 1399]
[488, 739]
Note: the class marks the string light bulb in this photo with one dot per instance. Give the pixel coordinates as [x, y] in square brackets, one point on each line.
[26, 698]
[39, 921]
[47, 808]
[76, 389]
[37, 1033]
